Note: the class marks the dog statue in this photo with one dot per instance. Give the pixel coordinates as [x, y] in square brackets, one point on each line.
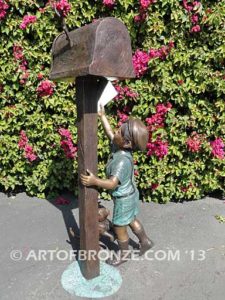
[104, 225]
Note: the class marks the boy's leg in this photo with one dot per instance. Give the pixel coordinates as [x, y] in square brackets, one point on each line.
[138, 230]
[123, 243]
[121, 232]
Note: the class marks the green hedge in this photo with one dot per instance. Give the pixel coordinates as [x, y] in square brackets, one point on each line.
[179, 57]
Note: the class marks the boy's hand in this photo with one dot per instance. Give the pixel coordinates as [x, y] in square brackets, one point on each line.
[101, 112]
[88, 180]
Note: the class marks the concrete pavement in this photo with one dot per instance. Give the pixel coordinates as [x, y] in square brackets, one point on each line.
[187, 261]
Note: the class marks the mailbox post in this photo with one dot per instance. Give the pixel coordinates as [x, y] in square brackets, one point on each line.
[90, 53]
[87, 92]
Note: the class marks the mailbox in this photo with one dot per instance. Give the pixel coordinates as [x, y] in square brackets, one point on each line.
[102, 48]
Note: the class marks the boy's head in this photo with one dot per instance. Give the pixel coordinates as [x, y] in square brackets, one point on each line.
[132, 134]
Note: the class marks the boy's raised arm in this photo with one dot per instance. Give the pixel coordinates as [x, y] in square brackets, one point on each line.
[105, 123]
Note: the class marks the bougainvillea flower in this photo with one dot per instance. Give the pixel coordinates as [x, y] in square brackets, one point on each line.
[194, 143]
[45, 88]
[154, 186]
[109, 3]
[140, 62]
[23, 139]
[29, 153]
[61, 201]
[63, 7]
[196, 28]
[67, 144]
[146, 3]
[218, 150]
[158, 148]
[3, 9]
[27, 20]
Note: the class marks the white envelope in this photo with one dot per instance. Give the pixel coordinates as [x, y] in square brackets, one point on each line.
[107, 95]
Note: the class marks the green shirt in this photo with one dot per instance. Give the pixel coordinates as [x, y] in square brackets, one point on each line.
[120, 165]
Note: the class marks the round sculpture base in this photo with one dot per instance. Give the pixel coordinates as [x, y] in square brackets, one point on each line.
[106, 284]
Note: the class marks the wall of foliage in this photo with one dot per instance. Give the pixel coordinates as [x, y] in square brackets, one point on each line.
[179, 60]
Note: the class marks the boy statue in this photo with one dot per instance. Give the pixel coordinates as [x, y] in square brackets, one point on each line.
[132, 135]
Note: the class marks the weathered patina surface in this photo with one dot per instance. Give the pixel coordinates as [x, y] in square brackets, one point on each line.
[102, 48]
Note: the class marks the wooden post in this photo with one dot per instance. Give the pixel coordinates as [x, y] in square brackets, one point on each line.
[88, 89]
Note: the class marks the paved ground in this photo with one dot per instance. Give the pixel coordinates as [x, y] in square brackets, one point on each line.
[189, 231]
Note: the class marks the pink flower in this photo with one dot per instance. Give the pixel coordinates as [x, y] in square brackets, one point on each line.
[157, 120]
[23, 65]
[136, 173]
[194, 19]
[62, 201]
[194, 143]
[29, 153]
[18, 52]
[218, 150]
[27, 20]
[196, 5]
[153, 53]
[196, 28]
[1, 88]
[140, 62]
[42, 10]
[141, 17]
[120, 92]
[122, 117]
[23, 139]
[65, 133]
[40, 76]
[162, 108]
[126, 109]
[18, 55]
[158, 148]
[154, 186]
[109, 3]
[3, 8]
[171, 44]
[67, 144]
[163, 52]
[146, 3]
[188, 7]
[69, 149]
[63, 7]
[45, 88]
[180, 81]
[125, 92]
[141, 58]
[184, 189]
[24, 77]
[129, 93]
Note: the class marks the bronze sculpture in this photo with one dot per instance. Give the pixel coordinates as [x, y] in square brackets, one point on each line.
[89, 54]
[104, 224]
[132, 135]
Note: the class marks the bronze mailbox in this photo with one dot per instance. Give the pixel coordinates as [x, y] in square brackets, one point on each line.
[102, 48]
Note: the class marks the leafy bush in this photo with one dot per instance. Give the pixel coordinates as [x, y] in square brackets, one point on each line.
[179, 58]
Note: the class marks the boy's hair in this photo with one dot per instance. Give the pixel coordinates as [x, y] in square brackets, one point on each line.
[135, 131]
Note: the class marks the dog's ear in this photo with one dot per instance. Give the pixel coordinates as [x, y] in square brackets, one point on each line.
[103, 213]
